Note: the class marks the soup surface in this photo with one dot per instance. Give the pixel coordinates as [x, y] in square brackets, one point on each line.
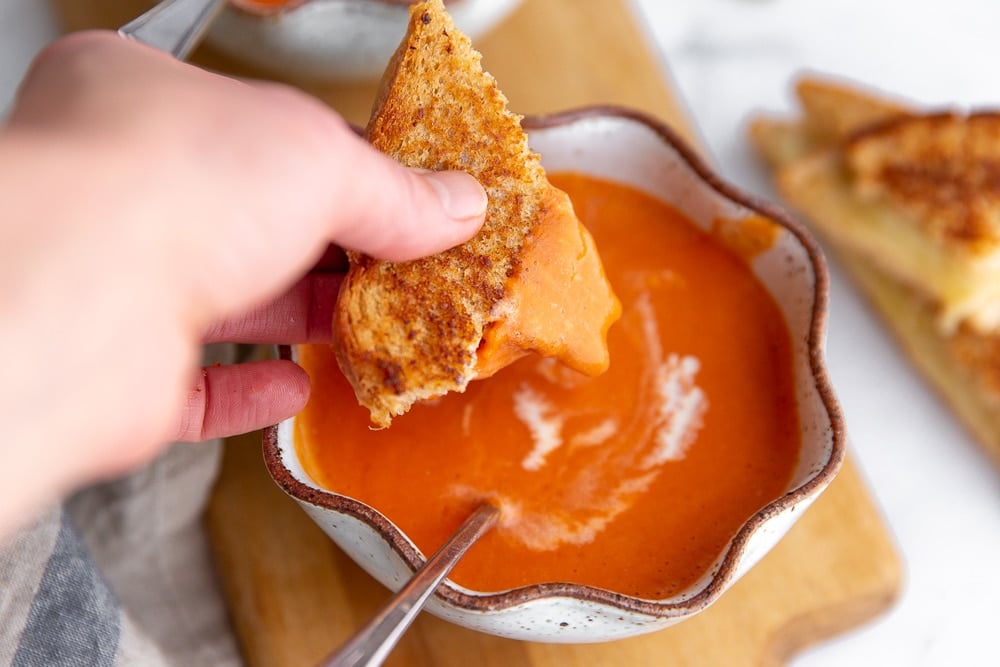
[633, 481]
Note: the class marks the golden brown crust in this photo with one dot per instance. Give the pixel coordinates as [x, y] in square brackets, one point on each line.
[409, 331]
[943, 169]
[780, 142]
[974, 350]
[833, 111]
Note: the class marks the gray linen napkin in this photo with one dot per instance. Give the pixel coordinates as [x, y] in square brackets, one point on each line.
[121, 574]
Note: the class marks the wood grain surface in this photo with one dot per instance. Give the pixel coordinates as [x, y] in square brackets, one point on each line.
[294, 596]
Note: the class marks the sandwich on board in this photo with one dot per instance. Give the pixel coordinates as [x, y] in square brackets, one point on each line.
[911, 202]
[531, 281]
[918, 194]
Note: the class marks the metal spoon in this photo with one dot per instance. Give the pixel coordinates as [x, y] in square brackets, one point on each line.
[371, 645]
[174, 26]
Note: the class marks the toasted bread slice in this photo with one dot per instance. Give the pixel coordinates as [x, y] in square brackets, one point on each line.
[943, 170]
[918, 194]
[892, 196]
[833, 111]
[530, 281]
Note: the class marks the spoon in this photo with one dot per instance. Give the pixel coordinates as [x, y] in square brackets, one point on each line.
[371, 645]
[173, 26]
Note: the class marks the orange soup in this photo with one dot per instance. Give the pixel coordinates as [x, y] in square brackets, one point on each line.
[633, 481]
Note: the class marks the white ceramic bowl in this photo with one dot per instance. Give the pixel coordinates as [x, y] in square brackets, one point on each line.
[332, 40]
[626, 147]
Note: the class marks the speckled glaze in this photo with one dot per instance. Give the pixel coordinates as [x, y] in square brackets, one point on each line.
[627, 147]
[333, 40]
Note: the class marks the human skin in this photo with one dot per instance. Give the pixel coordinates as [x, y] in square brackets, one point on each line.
[150, 207]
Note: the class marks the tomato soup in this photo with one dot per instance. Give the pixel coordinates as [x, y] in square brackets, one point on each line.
[633, 481]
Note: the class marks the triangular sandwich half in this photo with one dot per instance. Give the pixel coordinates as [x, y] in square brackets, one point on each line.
[530, 281]
[907, 202]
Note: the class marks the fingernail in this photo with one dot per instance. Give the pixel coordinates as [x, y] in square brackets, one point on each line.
[461, 195]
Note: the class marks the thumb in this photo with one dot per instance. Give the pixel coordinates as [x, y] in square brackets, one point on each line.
[397, 213]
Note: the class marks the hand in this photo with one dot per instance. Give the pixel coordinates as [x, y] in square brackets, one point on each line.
[150, 206]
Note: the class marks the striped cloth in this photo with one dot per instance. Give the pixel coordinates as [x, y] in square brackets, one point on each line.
[120, 575]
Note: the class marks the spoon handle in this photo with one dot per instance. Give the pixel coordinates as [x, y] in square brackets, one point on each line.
[372, 643]
[173, 26]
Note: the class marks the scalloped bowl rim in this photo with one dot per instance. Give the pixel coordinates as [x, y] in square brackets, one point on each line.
[725, 571]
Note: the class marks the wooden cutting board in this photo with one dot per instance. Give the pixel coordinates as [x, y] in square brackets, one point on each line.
[294, 596]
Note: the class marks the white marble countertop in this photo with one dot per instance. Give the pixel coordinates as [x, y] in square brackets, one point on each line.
[939, 494]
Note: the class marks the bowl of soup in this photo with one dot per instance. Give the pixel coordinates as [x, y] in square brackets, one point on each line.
[630, 501]
[331, 40]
